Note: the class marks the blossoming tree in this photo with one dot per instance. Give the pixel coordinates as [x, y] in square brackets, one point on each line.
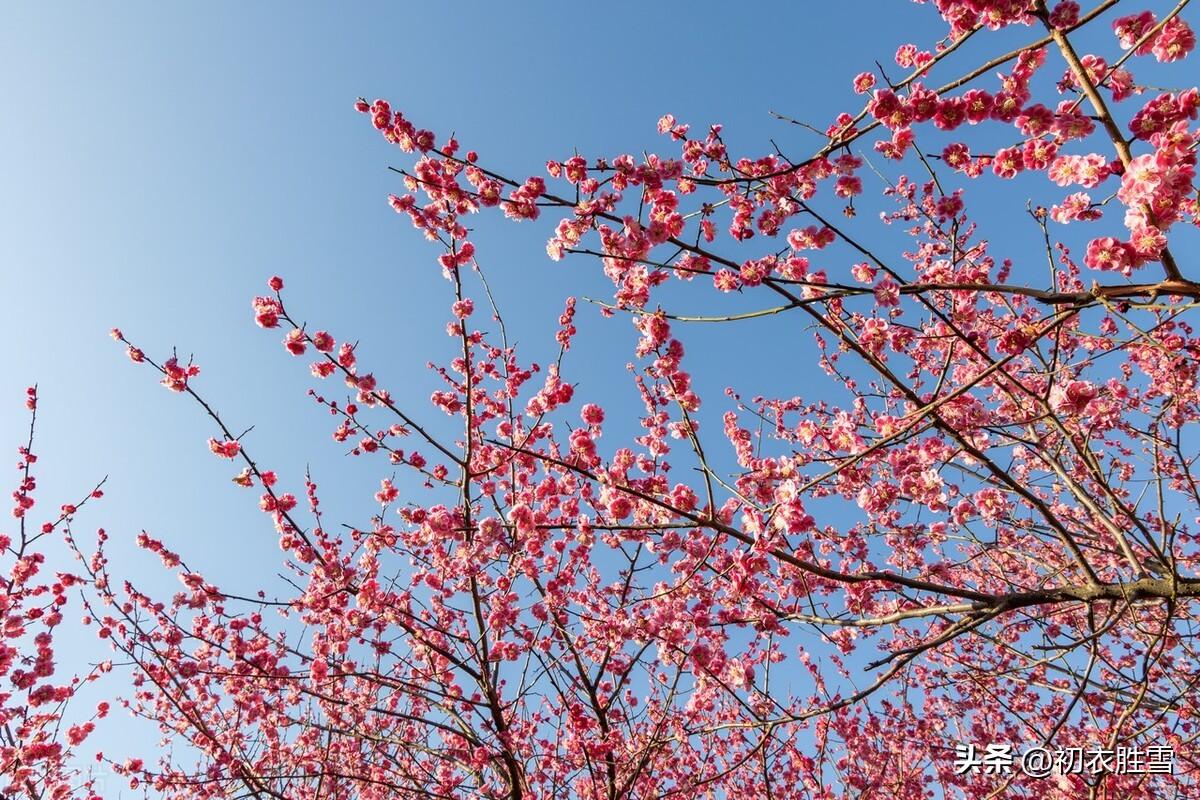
[37, 744]
[989, 539]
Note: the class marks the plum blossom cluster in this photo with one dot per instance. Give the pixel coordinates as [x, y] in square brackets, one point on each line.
[1168, 41]
[43, 730]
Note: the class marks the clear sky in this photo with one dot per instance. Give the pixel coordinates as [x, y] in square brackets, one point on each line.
[159, 161]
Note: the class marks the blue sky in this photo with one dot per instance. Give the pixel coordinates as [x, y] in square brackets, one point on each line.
[160, 161]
